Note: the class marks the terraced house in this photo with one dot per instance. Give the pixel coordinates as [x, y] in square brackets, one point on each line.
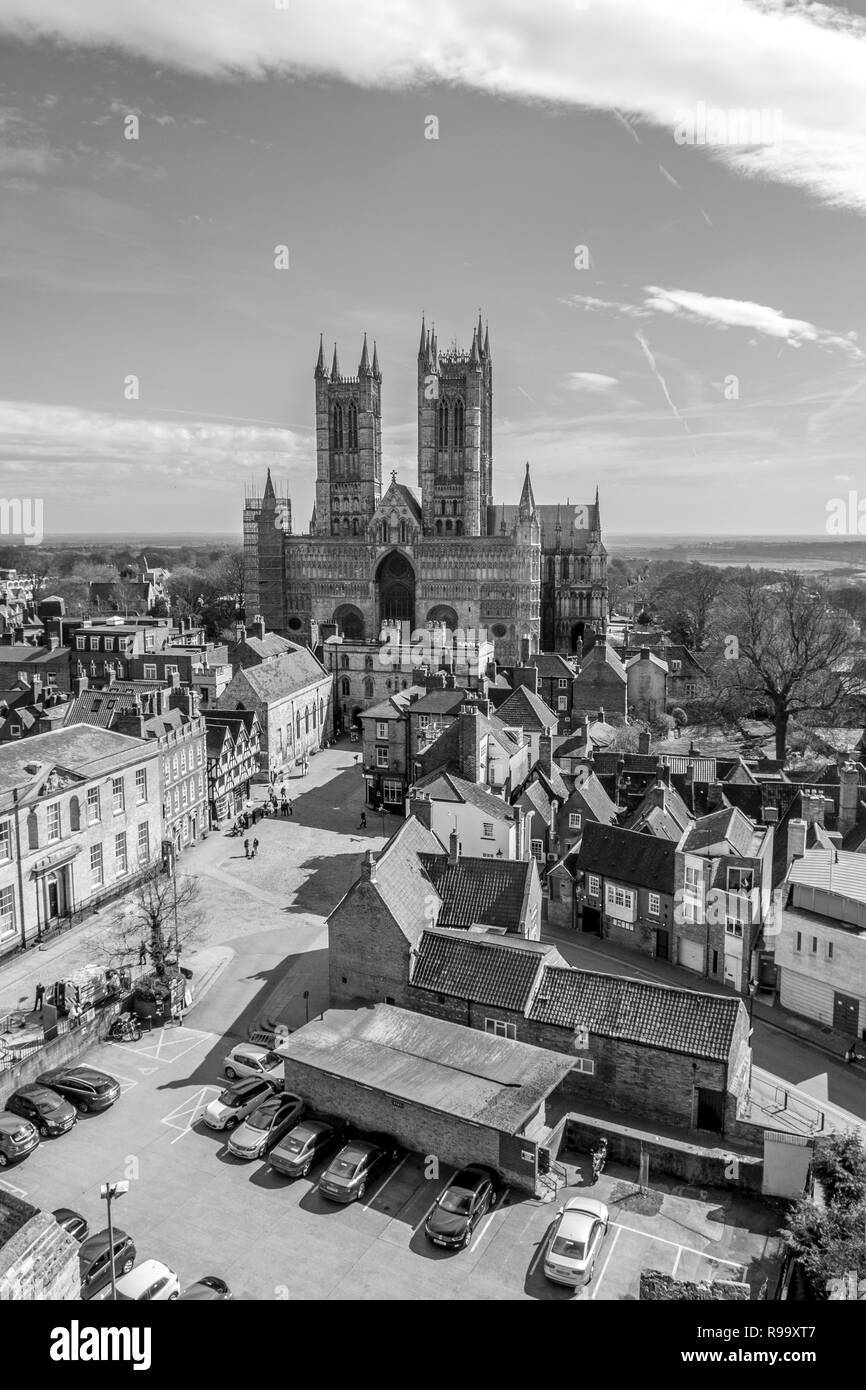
[232, 760]
[80, 823]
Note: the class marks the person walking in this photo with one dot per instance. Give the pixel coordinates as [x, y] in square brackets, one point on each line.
[247, 848]
[255, 848]
[40, 998]
[142, 952]
[291, 811]
[363, 825]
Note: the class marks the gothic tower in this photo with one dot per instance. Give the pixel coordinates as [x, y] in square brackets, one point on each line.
[455, 450]
[348, 445]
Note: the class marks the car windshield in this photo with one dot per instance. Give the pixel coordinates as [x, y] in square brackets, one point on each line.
[348, 1163]
[45, 1104]
[456, 1199]
[262, 1118]
[271, 1059]
[294, 1143]
[570, 1248]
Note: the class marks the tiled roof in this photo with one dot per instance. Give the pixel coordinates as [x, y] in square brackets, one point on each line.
[266, 647]
[100, 707]
[81, 748]
[22, 654]
[539, 801]
[410, 499]
[527, 709]
[553, 781]
[601, 655]
[552, 666]
[402, 884]
[277, 678]
[561, 522]
[480, 968]
[439, 702]
[392, 707]
[839, 872]
[596, 799]
[728, 826]
[628, 857]
[650, 657]
[447, 786]
[490, 892]
[652, 1015]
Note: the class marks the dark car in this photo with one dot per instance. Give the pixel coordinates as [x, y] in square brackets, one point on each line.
[18, 1138]
[86, 1088]
[457, 1211]
[305, 1145]
[266, 1125]
[208, 1289]
[348, 1176]
[72, 1221]
[94, 1260]
[48, 1111]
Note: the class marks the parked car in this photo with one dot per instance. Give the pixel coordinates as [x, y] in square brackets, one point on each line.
[149, 1282]
[18, 1138]
[46, 1109]
[206, 1290]
[266, 1125]
[349, 1174]
[250, 1059]
[237, 1101]
[93, 1260]
[72, 1221]
[457, 1211]
[305, 1145]
[87, 1088]
[575, 1240]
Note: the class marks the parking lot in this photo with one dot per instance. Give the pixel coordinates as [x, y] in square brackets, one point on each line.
[201, 1211]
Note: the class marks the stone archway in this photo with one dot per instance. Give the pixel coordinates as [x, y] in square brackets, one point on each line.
[577, 632]
[395, 583]
[350, 622]
[443, 613]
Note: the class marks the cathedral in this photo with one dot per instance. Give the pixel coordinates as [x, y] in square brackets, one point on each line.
[448, 553]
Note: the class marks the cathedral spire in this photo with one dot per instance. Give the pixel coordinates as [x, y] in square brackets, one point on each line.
[486, 340]
[269, 489]
[425, 342]
[526, 507]
[335, 366]
[377, 372]
[321, 371]
[597, 512]
[474, 360]
[364, 365]
[479, 331]
[433, 355]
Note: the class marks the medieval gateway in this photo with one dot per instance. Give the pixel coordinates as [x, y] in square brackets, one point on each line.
[452, 556]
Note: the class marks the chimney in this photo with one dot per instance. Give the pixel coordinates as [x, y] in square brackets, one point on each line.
[525, 651]
[368, 867]
[53, 642]
[545, 754]
[644, 740]
[19, 636]
[665, 775]
[257, 627]
[600, 716]
[468, 745]
[240, 633]
[483, 707]
[450, 681]
[421, 807]
[796, 840]
[327, 630]
[644, 653]
[79, 683]
[849, 796]
[813, 808]
[453, 848]
[526, 675]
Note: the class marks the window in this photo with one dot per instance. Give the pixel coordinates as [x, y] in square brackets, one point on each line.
[392, 791]
[676, 666]
[150, 671]
[563, 683]
[95, 866]
[79, 642]
[93, 809]
[5, 839]
[176, 801]
[53, 814]
[423, 721]
[140, 785]
[814, 945]
[183, 795]
[562, 702]
[798, 944]
[458, 425]
[143, 843]
[15, 730]
[345, 688]
[585, 1064]
[201, 784]
[592, 885]
[828, 949]
[120, 853]
[109, 644]
[117, 795]
[537, 850]
[171, 671]
[487, 830]
[381, 757]
[7, 911]
[499, 1028]
[199, 755]
[734, 928]
[575, 820]
[655, 904]
[183, 762]
[381, 728]
[94, 644]
[174, 766]
[693, 878]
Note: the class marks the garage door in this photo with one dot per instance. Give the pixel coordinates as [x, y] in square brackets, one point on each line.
[691, 955]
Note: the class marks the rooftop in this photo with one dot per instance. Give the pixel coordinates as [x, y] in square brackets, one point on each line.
[481, 967]
[628, 857]
[80, 748]
[488, 891]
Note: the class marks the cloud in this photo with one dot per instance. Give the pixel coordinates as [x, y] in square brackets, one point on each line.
[595, 382]
[646, 61]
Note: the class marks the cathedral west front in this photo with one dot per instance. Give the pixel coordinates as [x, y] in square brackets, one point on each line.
[447, 553]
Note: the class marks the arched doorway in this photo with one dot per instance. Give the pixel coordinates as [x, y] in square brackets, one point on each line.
[443, 613]
[395, 578]
[350, 622]
[577, 637]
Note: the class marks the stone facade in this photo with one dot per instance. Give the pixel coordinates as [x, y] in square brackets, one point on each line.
[452, 556]
[38, 1259]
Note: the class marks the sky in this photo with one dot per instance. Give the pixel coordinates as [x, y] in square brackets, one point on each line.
[659, 206]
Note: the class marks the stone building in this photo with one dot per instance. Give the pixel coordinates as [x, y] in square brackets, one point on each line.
[291, 694]
[452, 555]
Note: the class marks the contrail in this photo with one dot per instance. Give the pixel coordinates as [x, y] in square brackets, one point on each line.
[661, 381]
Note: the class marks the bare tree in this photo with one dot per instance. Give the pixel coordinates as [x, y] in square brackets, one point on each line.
[162, 918]
[786, 653]
[684, 600]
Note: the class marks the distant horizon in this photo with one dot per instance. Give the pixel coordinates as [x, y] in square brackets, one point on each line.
[717, 537]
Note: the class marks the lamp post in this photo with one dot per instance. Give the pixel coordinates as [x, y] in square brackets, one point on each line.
[307, 1004]
[108, 1191]
[753, 990]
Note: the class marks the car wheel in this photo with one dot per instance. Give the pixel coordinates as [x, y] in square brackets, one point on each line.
[172, 1297]
[305, 1170]
[44, 1131]
[231, 1073]
[231, 1122]
[467, 1239]
[127, 1265]
[83, 1107]
[361, 1190]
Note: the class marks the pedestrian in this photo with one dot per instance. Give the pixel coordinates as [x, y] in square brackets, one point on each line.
[247, 848]
[142, 952]
[363, 825]
[291, 807]
[255, 848]
[40, 998]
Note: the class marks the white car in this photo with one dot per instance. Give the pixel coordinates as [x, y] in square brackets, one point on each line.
[237, 1101]
[575, 1240]
[249, 1059]
[149, 1282]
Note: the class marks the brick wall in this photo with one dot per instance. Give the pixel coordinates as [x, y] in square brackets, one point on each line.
[368, 955]
[663, 1288]
[38, 1259]
[701, 1164]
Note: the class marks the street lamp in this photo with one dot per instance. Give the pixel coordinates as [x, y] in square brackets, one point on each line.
[307, 1003]
[753, 990]
[110, 1190]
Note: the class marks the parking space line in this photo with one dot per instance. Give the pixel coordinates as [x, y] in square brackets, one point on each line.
[191, 1109]
[598, 1281]
[497, 1206]
[435, 1200]
[702, 1254]
[676, 1261]
[20, 1192]
[382, 1186]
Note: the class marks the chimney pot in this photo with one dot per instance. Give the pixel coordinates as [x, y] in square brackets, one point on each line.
[453, 848]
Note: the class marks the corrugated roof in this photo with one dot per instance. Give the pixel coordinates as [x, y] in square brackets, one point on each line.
[836, 871]
[653, 1015]
[628, 857]
[490, 892]
[462, 1072]
[480, 968]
